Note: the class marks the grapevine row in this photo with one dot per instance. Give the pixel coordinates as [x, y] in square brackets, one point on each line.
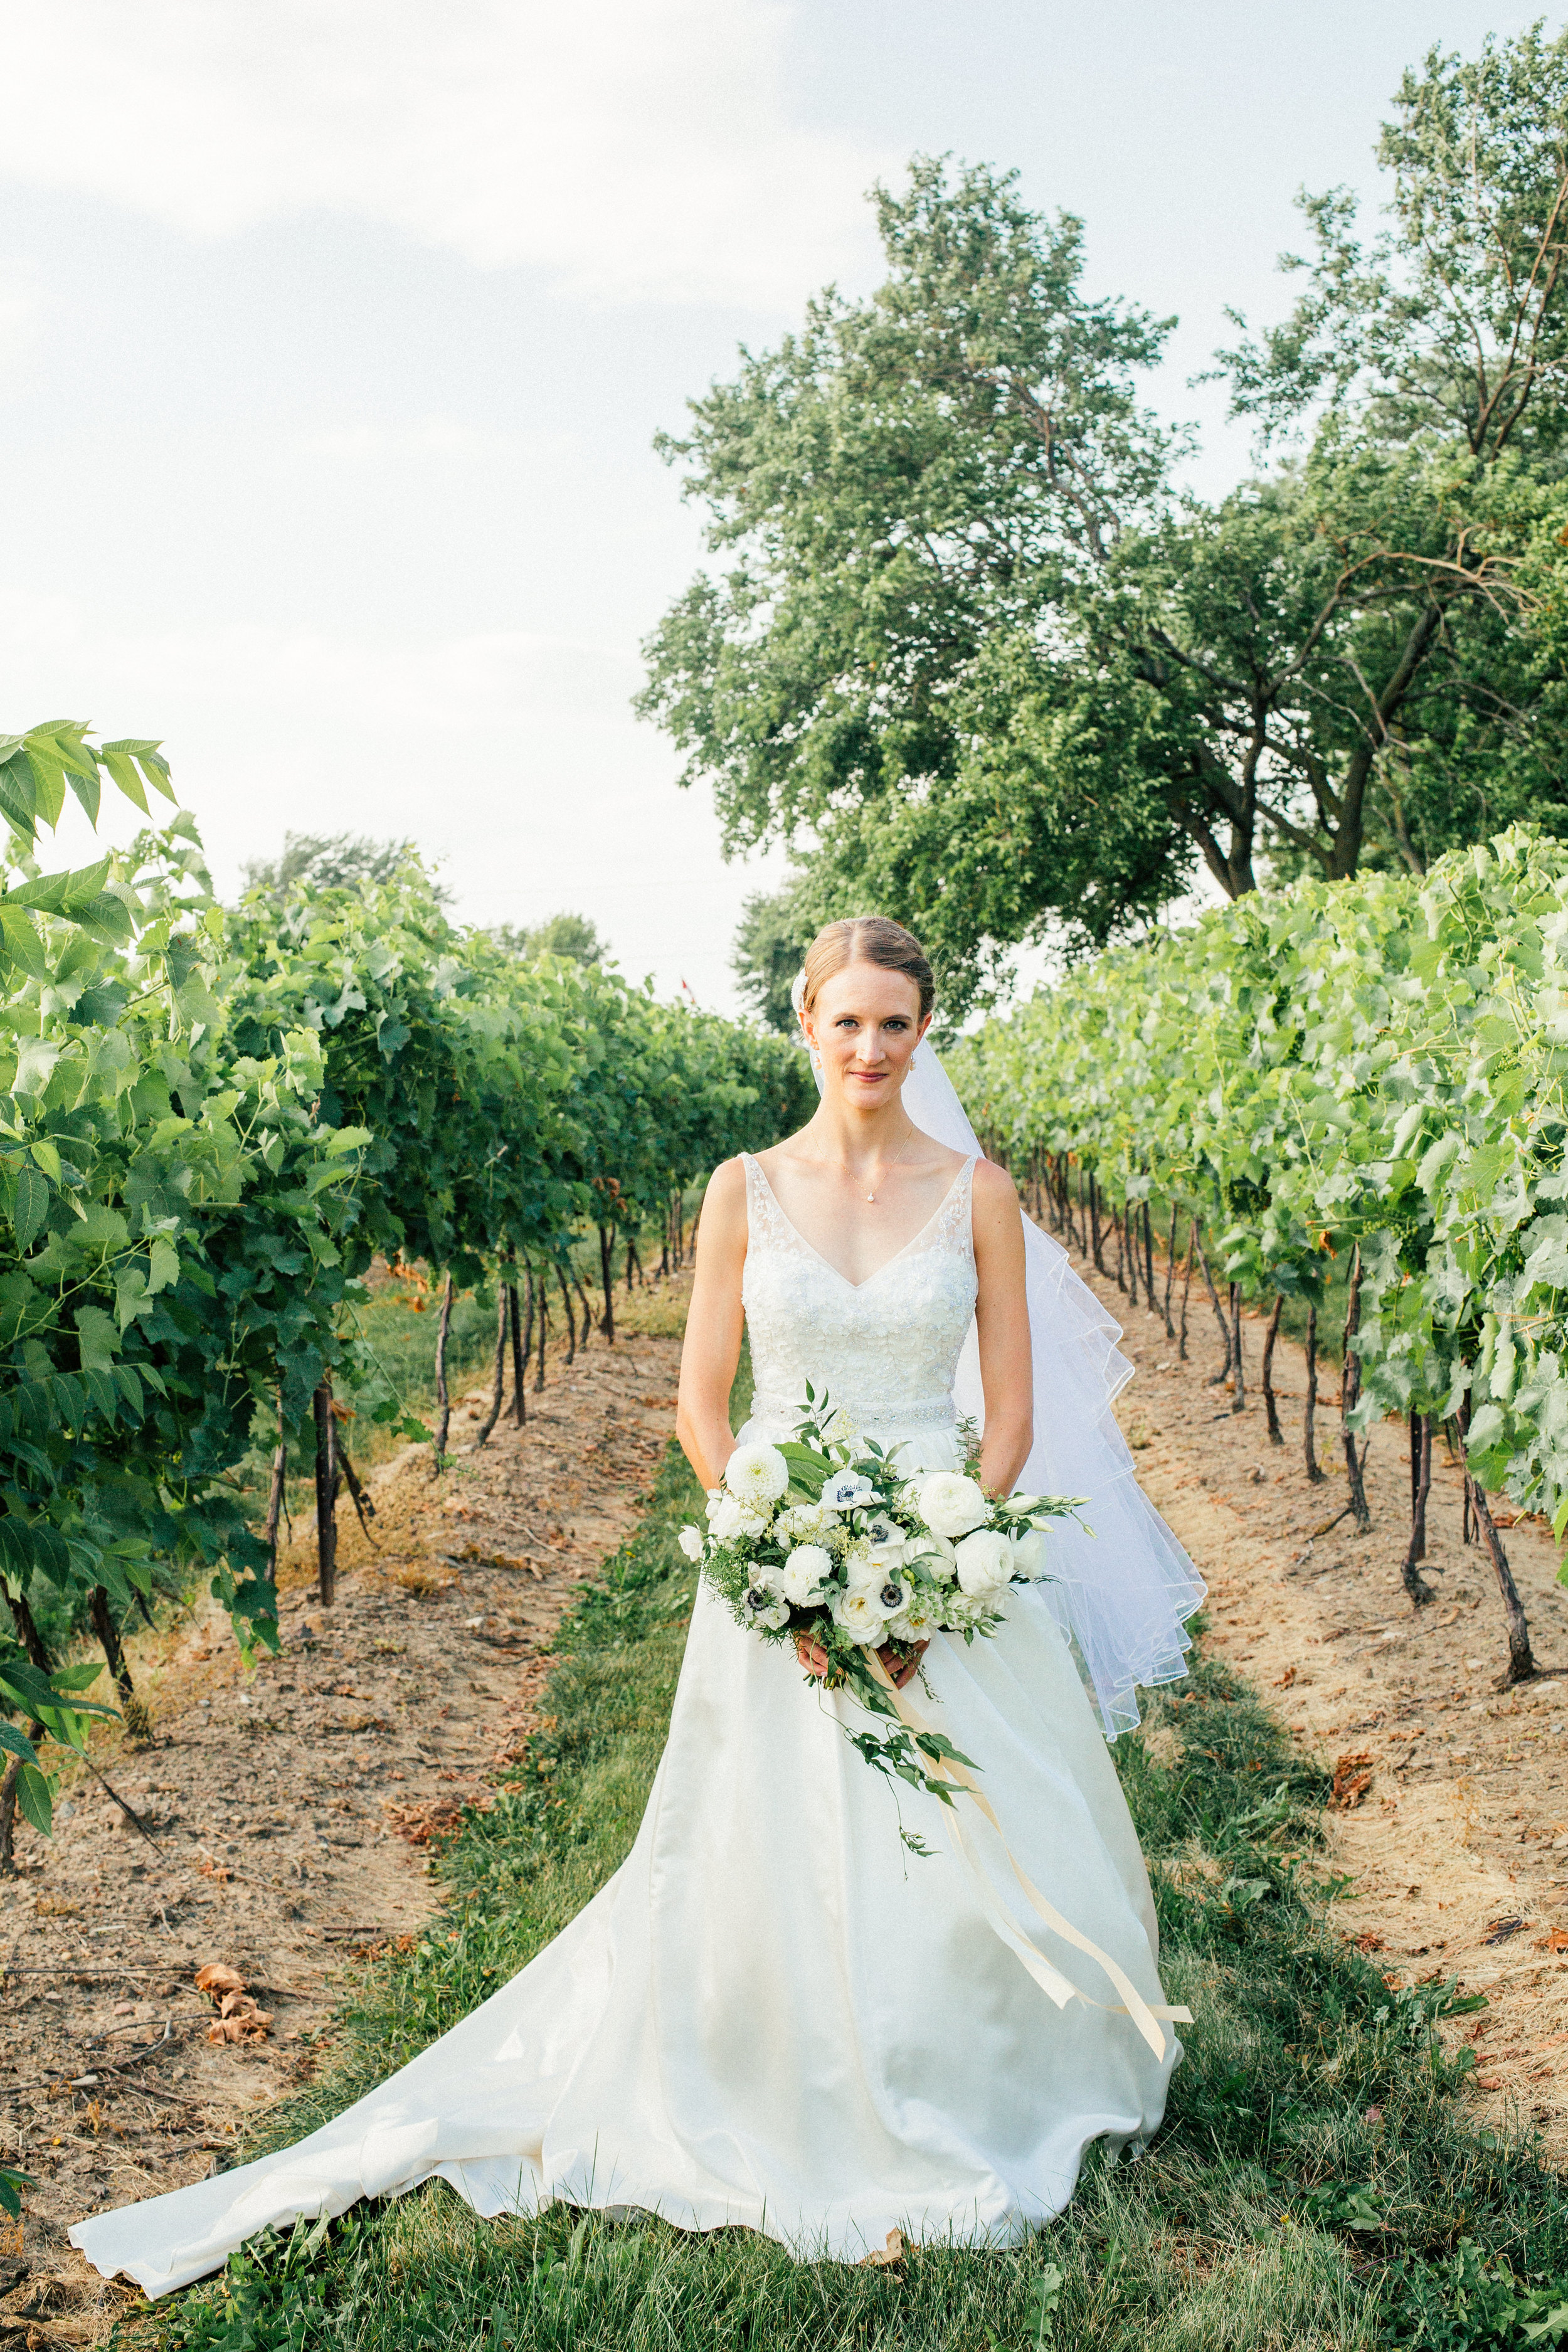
[1367, 1073]
[211, 1121]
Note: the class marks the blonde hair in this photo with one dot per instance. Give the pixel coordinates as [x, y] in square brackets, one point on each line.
[867, 938]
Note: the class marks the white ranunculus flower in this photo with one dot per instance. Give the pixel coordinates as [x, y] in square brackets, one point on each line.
[804, 1573]
[756, 1473]
[951, 1504]
[861, 1572]
[984, 1563]
[848, 1491]
[724, 1516]
[1028, 1554]
[691, 1542]
[859, 1616]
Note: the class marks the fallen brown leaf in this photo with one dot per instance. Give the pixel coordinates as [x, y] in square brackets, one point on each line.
[890, 2255]
[1286, 1679]
[1352, 1779]
[1555, 1941]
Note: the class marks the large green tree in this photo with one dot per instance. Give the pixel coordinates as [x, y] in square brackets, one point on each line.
[970, 648]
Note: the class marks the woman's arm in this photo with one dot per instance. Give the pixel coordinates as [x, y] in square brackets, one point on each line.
[1001, 1316]
[713, 1325]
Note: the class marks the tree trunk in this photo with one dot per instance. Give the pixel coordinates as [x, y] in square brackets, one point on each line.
[587, 1309]
[633, 1260]
[1420, 1487]
[498, 1384]
[1350, 1391]
[541, 1300]
[1214, 1379]
[38, 1651]
[1238, 1365]
[1309, 1429]
[1170, 1273]
[1276, 1434]
[1097, 1247]
[1149, 1265]
[520, 1346]
[442, 1398]
[1521, 1665]
[275, 1494]
[108, 1632]
[1188, 1286]
[327, 1490]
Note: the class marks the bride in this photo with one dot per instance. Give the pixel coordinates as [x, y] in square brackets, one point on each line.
[773, 2015]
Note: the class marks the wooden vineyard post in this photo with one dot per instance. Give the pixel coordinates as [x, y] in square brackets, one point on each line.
[275, 1494]
[498, 1385]
[1149, 1265]
[1188, 1286]
[1120, 1249]
[1420, 1487]
[1276, 1434]
[1315, 1475]
[442, 1398]
[1170, 1273]
[327, 1492]
[1097, 1250]
[520, 1346]
[1350, 1391]
[1239, 1395]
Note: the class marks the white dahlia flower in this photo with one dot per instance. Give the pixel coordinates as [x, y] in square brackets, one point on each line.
[804, 1573]
[756, 1474]
[951, 1504]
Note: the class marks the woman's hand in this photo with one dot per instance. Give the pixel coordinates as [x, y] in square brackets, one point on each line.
[901, 1665]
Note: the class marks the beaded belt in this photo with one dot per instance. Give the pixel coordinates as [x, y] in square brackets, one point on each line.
[910, 1412]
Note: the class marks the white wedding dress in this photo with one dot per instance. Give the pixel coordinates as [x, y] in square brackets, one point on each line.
[772, 2014]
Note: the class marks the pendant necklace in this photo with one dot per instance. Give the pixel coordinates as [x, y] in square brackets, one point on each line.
[908, 1141]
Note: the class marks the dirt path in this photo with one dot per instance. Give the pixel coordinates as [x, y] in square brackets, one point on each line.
[287, 1812]
[1458, 1837]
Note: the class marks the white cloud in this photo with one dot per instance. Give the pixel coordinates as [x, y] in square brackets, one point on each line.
[635, 149]
[511, 757]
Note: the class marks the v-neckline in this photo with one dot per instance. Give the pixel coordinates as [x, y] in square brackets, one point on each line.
[887, 1262]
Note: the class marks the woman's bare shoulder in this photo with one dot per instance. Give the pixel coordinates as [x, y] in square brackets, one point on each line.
[995, 1195]
[726, 1190]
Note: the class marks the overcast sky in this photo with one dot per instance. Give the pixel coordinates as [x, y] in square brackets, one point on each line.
[336, 333]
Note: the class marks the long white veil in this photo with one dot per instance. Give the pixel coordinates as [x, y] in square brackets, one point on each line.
[1123, 1592]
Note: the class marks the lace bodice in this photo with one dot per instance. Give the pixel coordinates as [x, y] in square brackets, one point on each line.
[886, 1348]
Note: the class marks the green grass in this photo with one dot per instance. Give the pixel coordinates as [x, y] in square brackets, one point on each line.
[1276, 2212]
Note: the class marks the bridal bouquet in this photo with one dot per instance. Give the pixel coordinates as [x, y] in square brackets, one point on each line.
[827, 1536]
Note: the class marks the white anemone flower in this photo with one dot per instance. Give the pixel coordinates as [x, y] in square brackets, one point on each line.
[951, 1504]
[847, 1490]
[756, 1474]
[764, 1610]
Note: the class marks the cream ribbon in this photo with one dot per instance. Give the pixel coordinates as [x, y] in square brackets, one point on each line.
[1051, 1981]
